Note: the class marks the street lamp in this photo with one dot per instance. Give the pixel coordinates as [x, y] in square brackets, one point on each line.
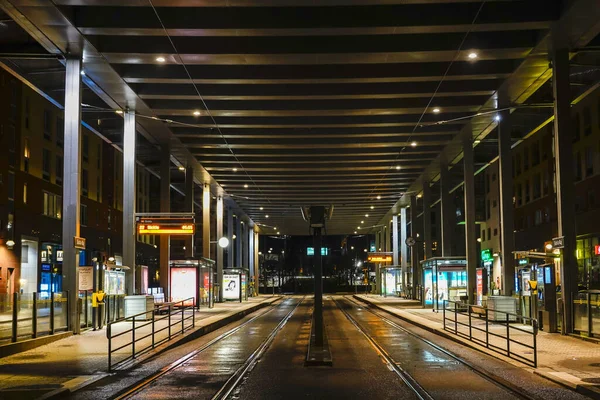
[223, 242]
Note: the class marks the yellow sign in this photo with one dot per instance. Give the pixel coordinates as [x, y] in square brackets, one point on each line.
[379, 257]
[532, 285]
[159, 229]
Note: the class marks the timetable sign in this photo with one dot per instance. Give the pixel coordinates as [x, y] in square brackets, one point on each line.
[166, 227]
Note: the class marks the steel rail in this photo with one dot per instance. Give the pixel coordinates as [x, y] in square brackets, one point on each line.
[138, 387]
[401, 372]
[516, 391]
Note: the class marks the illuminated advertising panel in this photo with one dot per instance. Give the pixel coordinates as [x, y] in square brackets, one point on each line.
[183, 284]
[231, 287]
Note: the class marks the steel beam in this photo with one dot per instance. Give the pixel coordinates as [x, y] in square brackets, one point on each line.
[470, 226]
[71, 187]
[129, 201]
[251, 258]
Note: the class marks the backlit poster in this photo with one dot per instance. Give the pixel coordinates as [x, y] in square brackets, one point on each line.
[183, 284]
[390, 283]
[231, 287]
[428, 287]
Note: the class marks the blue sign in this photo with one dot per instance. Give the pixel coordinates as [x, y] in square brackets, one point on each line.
[46, 268]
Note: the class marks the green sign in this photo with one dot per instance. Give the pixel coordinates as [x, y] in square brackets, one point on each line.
[486, 255]
[523, 261]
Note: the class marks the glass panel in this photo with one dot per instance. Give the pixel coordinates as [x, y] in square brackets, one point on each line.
[25, 315]
[5, 316]
[595, 305]
[43, 314]
[60, 310]
[580, 318]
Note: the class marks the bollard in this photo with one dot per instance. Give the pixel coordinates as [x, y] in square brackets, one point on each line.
[487, 332]
[34, 316]
[470, 328]
[15, 316]
[133, 337]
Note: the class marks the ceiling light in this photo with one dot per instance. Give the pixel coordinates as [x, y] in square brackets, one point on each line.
[436, 110]
[397, 167]
[119, 111]
[365, 250]
[367, 215]
[275, 228]
[181, 168]
[362, 222]
[160, 59]
[477, 141]
[355, 232]
[279, 233]
[358, 227]
[234, 169]
[262, 208]
[414, 144]
[472, 56]
[419, 196]
[267, 216]
[497, 118]
[196, 113]
[378, 197]
[246, 186]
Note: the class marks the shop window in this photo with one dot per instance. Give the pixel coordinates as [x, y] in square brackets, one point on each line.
[52, 205]
[60, 132]
[576, 128]
[26, 156]
[47, 125]
[589, 162]
[25, 193]
[83, 215]
[46, 164]
[58, 177]
[84, 182]
[587, 121]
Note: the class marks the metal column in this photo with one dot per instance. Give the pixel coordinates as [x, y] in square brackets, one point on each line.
[238, 242]
[403, 248]
[379, 247]
[448, 215]
[206, 220]
[230, 234]
[129, 201]
[414, 250]
[219, 248]
[245, 230]
[256, 262]
[395, 240]
[189, 207]
[507, 224]
[251, 258]
[565, 188]
[318, 310]
[470, 226]
[427, 219]
[165, 207]
[71, 187]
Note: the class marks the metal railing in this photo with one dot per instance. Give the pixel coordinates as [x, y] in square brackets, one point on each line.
[493, 329]
[147, 330]
[31, 315]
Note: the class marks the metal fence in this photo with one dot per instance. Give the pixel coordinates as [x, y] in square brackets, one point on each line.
[30, 315]
[139, 333]
[506, 333]
[586, 312]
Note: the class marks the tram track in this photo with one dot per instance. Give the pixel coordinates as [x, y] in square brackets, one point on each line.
[236, 378]
[407, 377]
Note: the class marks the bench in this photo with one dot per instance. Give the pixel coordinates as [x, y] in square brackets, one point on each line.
[478, 310]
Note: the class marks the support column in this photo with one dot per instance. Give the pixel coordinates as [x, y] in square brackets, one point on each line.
[165, 207]
[318, 310]
[507, 223]
[388, 237]
[470, 226]
[129, 202]
[565, 188]
[238, 242]
[427, 219]
[414, 250]
[256, 262]
[378, 247]
[206, 220]
[219, 248]
[230, 234]
[448, 215]
[251, 249]
[245, 229]
[71, 187]
[189, 207]
[403, 248]
[395, 240]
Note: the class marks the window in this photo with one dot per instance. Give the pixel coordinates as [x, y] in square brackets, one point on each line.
[98, 188]
[589, 162]
[591, 197]
[26, 112]
[546, 184]
[526, 159]
[587, 121]
[84, 182]
[494, 204]
[519, 194]
[535, 153]
[60, 132]
[483, 235]
[25, 193]
[527, 192]
[538, 217]
[518, 165]
[495, 231]
[47, 125]
[537, 186]
[59, 171]
[46, 164]
[577, 169]
[99, 156]
[52, 205]
[85, 147]
[488, 209]
[26, 155]
[576, 128]
[83, 215]
[489, 235]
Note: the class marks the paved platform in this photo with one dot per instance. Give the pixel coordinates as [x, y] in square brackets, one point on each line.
[82, 359]
[563, 359]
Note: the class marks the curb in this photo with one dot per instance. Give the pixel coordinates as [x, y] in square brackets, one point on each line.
[83, 381]
[30, 344]
[546, 373]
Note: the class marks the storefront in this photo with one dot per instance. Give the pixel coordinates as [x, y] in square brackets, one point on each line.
[192, 278]
[51, 257]
[444, 278]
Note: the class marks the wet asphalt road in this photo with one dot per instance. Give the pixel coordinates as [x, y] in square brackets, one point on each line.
[358, 371]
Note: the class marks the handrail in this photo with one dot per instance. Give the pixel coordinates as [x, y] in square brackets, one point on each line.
[173, 309]
[483, 313]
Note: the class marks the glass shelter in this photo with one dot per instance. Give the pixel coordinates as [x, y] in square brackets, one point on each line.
[193, 278]
[444, 278]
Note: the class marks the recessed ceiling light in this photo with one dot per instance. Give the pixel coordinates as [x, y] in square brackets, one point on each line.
[378, 197]
[355, 232]
[262, 208]
[234, 169]
[419, 196]
[119, 111]
[182, 168]
[436, 110]
[372, 207]
[397, 167]
[196, 113]
[414, 144]
[267, 216]
[472, 55]
[358, 227]
[279, 233]
[246, 186]
[362, 222]
[367, 215]
[160, 59]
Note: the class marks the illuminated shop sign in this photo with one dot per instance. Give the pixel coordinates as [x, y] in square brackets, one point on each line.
[486, 255]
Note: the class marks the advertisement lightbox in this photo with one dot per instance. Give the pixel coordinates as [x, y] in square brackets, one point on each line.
[231, 287]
